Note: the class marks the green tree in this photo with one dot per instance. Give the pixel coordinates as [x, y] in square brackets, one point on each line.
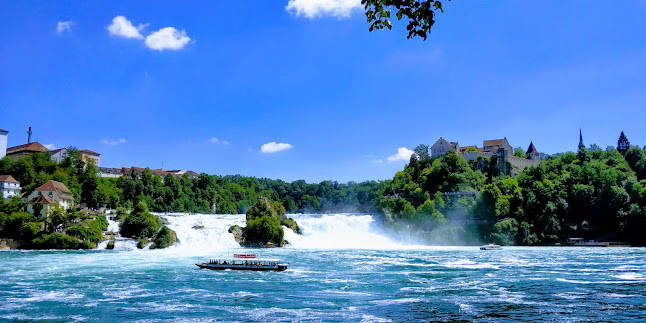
[420, 14]
[623, 144]
[519, 152]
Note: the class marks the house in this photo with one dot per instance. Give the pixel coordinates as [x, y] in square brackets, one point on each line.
[9, 186]
[4, 134]
[49, 195]
[59, 154]
[137, 171]
[494, 145]
[442, 146]
[109, 172]
[26, 150]
[90, 155]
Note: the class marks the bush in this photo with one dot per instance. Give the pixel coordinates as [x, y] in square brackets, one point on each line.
[164, 238]
[263, 230]
[59, 241]
[140, 224]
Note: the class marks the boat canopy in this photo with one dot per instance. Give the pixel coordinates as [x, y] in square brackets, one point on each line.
[243, 259]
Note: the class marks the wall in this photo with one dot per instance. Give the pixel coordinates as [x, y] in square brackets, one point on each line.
[3, 143]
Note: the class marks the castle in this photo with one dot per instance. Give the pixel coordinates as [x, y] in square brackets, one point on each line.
[496, 147]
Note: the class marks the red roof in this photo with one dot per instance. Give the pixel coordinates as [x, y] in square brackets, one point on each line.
[42, 199]
[8, 178]
[30, 147]
[58, 187]
[89, 152]
[494, 142]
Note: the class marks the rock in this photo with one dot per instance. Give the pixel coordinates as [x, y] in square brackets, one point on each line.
[198, 227]
[110, 245]
[238, 233]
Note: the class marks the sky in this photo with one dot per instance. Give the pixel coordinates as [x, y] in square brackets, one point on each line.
[300, 89]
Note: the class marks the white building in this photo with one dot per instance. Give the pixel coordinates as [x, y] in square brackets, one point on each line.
[3, 142]
[9, 186]
[49, 195]
[59, 154]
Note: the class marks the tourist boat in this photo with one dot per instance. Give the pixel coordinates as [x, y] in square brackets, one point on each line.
[580, 242]
[244, 262]
[491, 246]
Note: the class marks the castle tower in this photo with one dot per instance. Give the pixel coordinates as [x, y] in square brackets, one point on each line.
[3, 142]
[581, 144]
[532, 153]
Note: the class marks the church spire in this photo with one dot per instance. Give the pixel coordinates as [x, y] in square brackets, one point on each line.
[581, 144]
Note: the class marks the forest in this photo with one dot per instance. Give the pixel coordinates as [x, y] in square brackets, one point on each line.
[594, 194]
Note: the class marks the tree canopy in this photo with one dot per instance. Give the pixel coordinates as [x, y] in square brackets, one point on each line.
[419, 14]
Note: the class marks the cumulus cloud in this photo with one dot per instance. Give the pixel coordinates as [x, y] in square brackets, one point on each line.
[215, 140]
[64, 26]
[316, 8]
[110, 142]
[50, 146]
[122, 27]
[272, 147]
[167, 38]
[403, 153]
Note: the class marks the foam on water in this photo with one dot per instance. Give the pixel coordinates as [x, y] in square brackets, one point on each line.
[203, 232]
[338, 231]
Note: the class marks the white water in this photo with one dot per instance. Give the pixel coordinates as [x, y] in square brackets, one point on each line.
[199, 232]
[338, 231]
[205, 232]
[120, 243]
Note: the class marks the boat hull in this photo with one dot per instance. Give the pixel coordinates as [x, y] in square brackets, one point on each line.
[242, 267]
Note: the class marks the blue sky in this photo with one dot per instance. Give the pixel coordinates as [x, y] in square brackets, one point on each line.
[336, 98]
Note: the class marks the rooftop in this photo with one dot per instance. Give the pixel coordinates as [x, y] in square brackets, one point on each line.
[32, 146]
[8, 178]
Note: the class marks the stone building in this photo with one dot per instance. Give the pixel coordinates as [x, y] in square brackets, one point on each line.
[26, 150]
[490, 148]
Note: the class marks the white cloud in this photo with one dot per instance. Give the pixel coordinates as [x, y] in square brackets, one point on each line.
[122, 27]
[167, 38]
[215, 140]
[315, 8]
[50, 146]
[403, 153]
[272, 147]
[63, 26]
[378, 161]
[110, 142]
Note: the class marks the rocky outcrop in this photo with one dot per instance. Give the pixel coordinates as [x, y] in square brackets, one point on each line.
[238, 233]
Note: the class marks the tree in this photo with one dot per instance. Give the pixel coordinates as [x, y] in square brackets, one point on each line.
[623, 144]
[518, 152]
[420, 14]
[421, 151]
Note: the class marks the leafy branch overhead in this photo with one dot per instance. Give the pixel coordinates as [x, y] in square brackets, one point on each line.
[420, 14]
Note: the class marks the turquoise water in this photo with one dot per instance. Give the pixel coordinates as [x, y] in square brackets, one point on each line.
[372, 285]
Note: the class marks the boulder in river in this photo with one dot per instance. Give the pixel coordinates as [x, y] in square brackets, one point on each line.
[238, 233]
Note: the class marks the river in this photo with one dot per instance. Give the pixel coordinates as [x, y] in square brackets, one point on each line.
[341, 269]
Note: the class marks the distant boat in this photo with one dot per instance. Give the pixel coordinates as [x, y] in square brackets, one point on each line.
[491, 246]
[580, 242]
[243, 262]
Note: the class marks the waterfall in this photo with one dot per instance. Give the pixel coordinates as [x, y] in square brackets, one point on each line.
[120, 243]
[203, 231]
[199, 233]
[338, 231]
